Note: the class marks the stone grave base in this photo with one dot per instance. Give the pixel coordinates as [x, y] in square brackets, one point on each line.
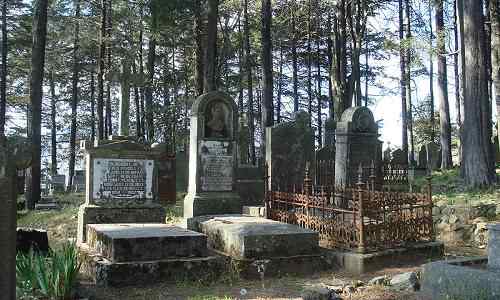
[358, 263]
[467, 278]
[91, 214]
[254, 244]
[106, 273]
[131, 254]
[246, 237]
[197, 204]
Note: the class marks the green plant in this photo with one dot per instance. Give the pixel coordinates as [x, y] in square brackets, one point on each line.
[51, 277]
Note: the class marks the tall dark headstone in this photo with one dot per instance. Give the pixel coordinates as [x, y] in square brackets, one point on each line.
[212, 157]
[289, 147]
[356, 144]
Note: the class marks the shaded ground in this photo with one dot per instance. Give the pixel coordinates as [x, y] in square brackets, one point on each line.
[61, 226]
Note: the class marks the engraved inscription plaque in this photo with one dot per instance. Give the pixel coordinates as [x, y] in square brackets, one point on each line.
[123, 179]
[216, 166]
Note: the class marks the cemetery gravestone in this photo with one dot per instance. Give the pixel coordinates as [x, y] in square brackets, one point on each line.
[243, 137]
[181, 171]
[422, 157]
[356, 144]
[212, 157]
[57, 183]
[330, 126]
[433, 156]
[166, 175]
[121, 184]
[399, 158]
[289, 147]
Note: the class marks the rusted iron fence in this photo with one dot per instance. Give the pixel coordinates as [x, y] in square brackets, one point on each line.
[359, 218]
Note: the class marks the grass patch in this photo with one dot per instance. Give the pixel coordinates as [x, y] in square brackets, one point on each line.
[60, 224]
[448, 186]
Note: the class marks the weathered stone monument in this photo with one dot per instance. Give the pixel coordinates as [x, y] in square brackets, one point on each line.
[212, 157]
[356, 144]
[289, 147]
[121, 185]
[399, 158]
[433, 153]
[11, 158]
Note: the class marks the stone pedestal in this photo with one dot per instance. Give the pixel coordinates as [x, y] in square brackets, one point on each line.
[356, 144]
[212, 157]
[141, 254]
[494, 246]
[121, 185]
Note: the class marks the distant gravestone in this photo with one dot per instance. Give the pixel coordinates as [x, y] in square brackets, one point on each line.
[212, 157]
[330, 126]
[166, 174]
[399, 157]
[386, 156]
[181, 171]
[422, 157]
[57, 183]
[121, 185]
[433, 155]
[79, 181]
[289, 147]
[356, 144]
[12, 158]
[243, 140]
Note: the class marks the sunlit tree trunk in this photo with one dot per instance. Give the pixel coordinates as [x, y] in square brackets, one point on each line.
[3, 71]
[53, 128]
[442, 91]
[248, 67]
[402, 82]
[477, 167]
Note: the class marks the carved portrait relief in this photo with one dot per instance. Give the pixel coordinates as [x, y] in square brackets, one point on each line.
[217, 120]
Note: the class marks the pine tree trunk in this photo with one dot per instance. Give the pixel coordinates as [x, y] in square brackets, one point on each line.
[267, 67]
[3, 71]
[137, 101]
[109, 123]
[148, 95]
[431, 73]
[320, 104]
[92, 106]
[495, 56]
[309, 63]
[280, 86]
[100, 72]
[408, 81]
[241, 63]
[456, 74]
[74, 97]
[210, 63]
[198, 32]
[53, 128]
[402, 83]
[39, 32]
[442, 91]
[248, 65]
[294, 60]
[476, 166]
[330, 58]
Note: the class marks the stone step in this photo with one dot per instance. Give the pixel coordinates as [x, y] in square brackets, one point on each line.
[145, 242]
[246, 237]
[139, 273]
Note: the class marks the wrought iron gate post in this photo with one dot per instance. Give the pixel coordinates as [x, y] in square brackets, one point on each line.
[361, 245]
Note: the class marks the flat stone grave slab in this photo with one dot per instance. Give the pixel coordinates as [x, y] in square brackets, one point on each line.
[247, 237]
[145, 242]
